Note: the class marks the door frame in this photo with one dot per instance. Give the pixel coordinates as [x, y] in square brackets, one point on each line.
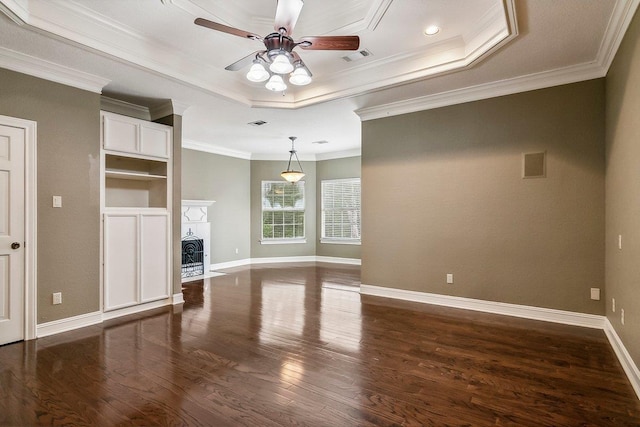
[30, 221]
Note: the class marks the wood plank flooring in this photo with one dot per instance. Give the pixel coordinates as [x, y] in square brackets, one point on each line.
[298, 346]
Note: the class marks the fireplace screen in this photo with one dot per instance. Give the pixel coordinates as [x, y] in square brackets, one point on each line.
[192, 256]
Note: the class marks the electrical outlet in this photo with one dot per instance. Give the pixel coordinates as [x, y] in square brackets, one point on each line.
[449, 278]
[613, 305]
[57, 298]
[622, 315]
[619, 241]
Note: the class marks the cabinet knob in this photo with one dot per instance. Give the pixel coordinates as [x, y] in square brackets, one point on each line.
[15, 245]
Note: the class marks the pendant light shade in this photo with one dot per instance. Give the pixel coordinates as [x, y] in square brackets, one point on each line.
[290, 174]
[276, 84]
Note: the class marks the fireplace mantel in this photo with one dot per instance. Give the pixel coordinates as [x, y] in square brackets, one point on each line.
[195, 210]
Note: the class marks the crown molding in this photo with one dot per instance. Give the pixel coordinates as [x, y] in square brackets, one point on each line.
[356, 152]
[213, 149]
[535, 81]
[125, 108]
[618, 24]
[37, 67]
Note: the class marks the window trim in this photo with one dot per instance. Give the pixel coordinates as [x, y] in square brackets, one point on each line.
[338, 240]
[282, 240]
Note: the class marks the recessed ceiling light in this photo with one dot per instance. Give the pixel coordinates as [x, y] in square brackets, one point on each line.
[432, 30]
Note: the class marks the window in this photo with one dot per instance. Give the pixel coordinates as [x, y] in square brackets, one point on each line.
[282, 212]
[341, 211]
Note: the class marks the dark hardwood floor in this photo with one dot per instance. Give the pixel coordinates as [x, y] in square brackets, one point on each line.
[297, 345]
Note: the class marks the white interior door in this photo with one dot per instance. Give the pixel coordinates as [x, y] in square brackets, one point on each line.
[12, 235]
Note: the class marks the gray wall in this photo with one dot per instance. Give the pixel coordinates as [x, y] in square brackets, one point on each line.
[348, 167]
[226, 180]
[623, 189]
[267, 170]
[443, 193]
[68, 165]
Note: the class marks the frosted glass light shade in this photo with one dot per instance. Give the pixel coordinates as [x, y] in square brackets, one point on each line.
[281, 65]
[276, 84]
[292, 176]
[300, 77]
[257, 73]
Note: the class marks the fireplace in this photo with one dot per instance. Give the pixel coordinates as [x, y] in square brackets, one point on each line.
[196, 241]
[192, 255]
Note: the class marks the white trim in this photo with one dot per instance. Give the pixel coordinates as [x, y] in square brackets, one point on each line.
[177, 299]
[625, 359]
[331, 241]
[30, 221]
[356, 152]
[47, 70]
[213, 149]
[230, 264]
[125, 108]
[335, 260]
[545, 79]
[283, 241]
[246, 155]
[107, 315]
[279, 260]
[69, 324]
[515, 310]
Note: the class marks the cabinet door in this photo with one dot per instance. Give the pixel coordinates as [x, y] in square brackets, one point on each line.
[120, 134]
[154, 254]
[120, 261]
[155, 140]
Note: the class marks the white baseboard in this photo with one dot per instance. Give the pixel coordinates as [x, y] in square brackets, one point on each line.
[625, 359]
[527, 312]
[277, 260]
[177, 299]
[336, 260]
[68, 324]
[107, 315]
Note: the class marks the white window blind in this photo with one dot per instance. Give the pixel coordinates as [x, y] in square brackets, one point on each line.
[283, 208]
[341, 210]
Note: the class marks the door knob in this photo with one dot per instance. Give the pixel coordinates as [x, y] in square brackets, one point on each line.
[15, 245]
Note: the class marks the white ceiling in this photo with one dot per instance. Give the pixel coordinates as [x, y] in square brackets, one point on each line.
[149, 51]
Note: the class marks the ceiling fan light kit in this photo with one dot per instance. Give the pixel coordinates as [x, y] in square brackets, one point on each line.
[276, 84]
[279, 55]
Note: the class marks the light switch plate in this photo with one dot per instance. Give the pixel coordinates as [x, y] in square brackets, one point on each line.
[57, 201]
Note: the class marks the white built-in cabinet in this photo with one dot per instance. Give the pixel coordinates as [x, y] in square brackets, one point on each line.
[135, 205]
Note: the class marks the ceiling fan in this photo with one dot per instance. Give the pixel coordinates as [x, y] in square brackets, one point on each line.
[278, 54]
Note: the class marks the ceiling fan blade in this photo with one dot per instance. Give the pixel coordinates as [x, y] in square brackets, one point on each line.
[241, 63]
[287, 14]
[226, 29]
[329, 42]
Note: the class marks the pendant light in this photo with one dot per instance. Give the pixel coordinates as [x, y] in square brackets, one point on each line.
[292, 175]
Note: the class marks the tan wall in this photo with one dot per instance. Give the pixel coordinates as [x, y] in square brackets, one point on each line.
[623, 190]
[443, 193]
[267, 170]
[68, 165]
[348, 167]
[227, 181]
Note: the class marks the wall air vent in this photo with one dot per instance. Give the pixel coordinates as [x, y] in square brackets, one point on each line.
[356, 56]
[257, 123]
